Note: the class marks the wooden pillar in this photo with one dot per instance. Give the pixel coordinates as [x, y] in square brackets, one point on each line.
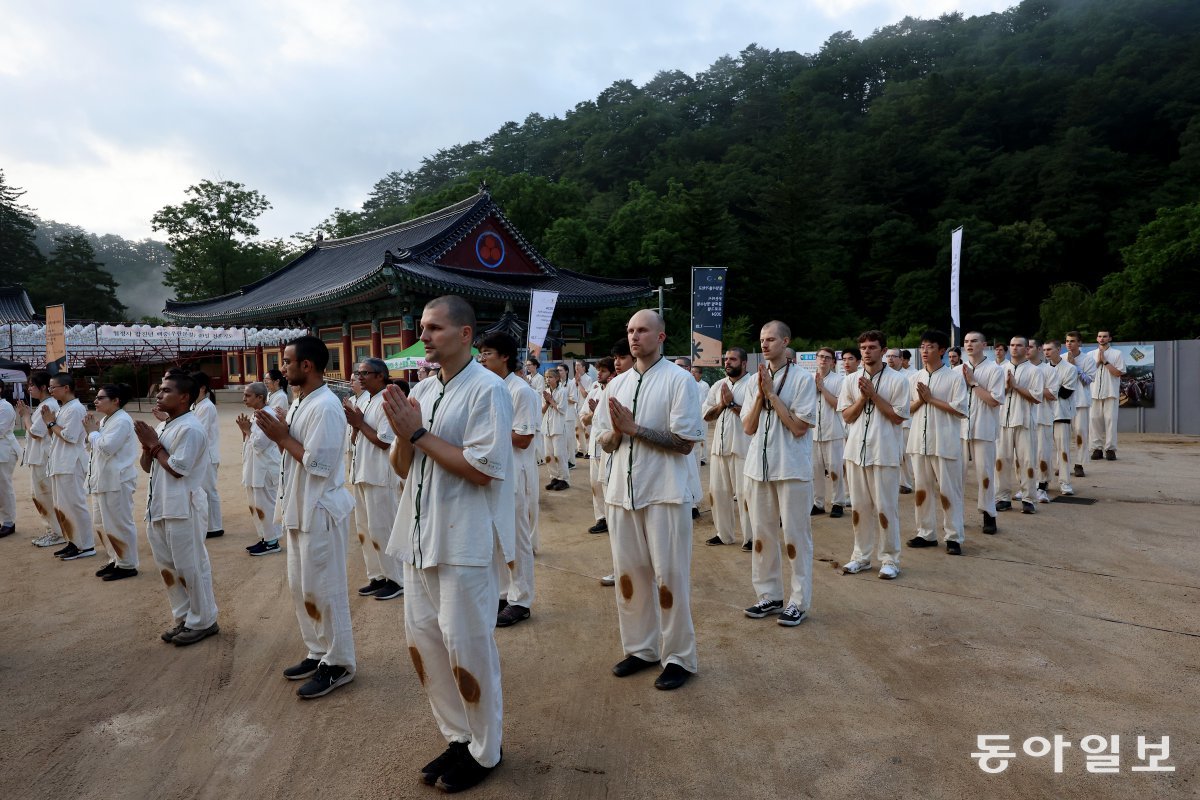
[376, 339]
[408, 331]
[347, 352]
[262, 366]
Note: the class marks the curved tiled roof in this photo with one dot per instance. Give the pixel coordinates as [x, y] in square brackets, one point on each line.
[15, 305]
[365, 267]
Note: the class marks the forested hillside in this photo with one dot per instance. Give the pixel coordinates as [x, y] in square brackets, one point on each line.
[829, 183]
[136, 267]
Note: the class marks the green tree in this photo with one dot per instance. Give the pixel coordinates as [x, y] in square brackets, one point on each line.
[72, 276]
[211, 236]
[1068, 307]
[20, 258]
[1157, 295]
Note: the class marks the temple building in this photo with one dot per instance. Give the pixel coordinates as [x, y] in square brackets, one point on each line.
[363, 294]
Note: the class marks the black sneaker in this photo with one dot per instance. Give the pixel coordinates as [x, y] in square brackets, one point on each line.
[764, 608]
[511, 615]
[748, 545]
[954, 548]
[327, 678]
[107, 568]
[905, 490]
[464, 773]
[173, 632]
[918, 541]
[91, 551]
[302, 670]
[1097, 455]
[8, 529]
[695, 513]
[791, 616]
[436, 768]
[1110, 455]
[714, 541]
[989, 523]
[1027, 507]
[672, 677]
[388, 590]
[1003, 505]
[252, 546]
[371, 588]
[1079, 473]
[215, 534]
[630, 665]
[70, 548]
[601, 526]
[264, 548]
[192, 635]
[816, 511]
[119, 573]
[835, 512]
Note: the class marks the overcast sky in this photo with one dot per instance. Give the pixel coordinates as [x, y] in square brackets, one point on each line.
[111, 110]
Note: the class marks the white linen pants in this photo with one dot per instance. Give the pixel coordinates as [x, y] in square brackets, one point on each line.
[450, 623]
[938, 483]
[770, 502]
[215, 522]
[112, 513]
[1104, 424]
[71, 508]
[43, 497]
[597, 481]
[8, 494]
[727, 490]
[875, 496]
[906, 473]
[261, 502]
[1045, 452]
[316, 561]
[1079, 430]
[556, 457]
[515, 578]
[1014, 464]
[182, 559]
[827, 464]
[1062, 453]
[539, 447]
[652, 559]
[374, 515]
[982, 455]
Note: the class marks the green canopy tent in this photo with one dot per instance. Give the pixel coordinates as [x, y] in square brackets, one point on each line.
[413, 357]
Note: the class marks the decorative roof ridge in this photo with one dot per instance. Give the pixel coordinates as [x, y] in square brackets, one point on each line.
[604, 278]
[455, 209]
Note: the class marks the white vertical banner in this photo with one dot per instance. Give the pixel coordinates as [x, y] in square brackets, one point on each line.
[955, 278]
[541, 311]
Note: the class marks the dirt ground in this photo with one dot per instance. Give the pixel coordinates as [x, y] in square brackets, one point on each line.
[1080, 620]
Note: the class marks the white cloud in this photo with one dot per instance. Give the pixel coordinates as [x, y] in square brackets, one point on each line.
[112, 110]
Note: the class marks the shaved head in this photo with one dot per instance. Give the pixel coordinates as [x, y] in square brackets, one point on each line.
[457, 309]
[781, 329]
[649, 318]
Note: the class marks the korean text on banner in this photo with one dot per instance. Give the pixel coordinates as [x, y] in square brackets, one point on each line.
[541, 311]
[955, 275]
[56, 335]
[708, 315]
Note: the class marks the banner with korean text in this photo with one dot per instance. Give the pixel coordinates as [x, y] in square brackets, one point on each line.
[541, 311]
[56, 338]
[955, 280]
[708, 315]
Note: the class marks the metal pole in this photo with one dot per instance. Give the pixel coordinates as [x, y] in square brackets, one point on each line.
[660, 300]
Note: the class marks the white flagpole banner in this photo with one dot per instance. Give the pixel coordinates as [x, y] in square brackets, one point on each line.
[541, 311]
[955, 275]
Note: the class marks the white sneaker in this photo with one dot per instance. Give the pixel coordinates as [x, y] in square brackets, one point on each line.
[49, 539]
[1043, 496]
[1066, 490]
[889, 572]
[608, 580]
[854, 567]
[1018, 497]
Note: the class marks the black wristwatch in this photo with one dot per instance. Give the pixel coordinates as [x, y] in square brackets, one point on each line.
[417, 434]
